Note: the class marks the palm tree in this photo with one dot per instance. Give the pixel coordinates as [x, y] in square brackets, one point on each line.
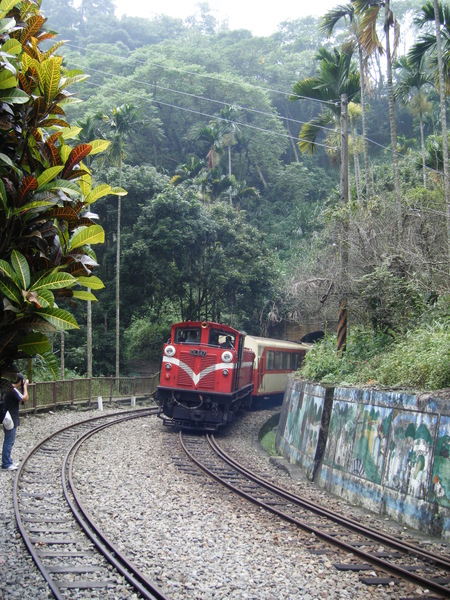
[437, 47]
[426, 48]
[185, 173]
[410, 89]
[355, 113]
[212, 135]
[369, 11]
[329, 21]
[335, 76]
[336, 80]
[121, 123]
[229, 130]
[241, 191]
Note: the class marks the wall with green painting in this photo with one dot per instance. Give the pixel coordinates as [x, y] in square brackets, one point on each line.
[386, 451]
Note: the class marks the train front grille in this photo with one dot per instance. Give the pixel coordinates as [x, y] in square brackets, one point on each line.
[194, 366]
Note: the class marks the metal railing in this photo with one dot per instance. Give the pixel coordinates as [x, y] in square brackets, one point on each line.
[51, 394]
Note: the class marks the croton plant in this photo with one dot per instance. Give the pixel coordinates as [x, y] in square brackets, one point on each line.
[47, 227]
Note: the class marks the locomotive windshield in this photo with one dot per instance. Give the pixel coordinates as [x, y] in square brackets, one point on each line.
[221, 338]
[187, 335]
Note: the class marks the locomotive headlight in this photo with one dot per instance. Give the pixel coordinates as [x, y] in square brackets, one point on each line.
[227, 356]
[168, 366]
[225, 372]
[169, 351]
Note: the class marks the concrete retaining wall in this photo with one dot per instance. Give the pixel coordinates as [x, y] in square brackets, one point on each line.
[386, 451]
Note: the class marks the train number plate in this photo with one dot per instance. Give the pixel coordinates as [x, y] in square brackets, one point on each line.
[198, 352]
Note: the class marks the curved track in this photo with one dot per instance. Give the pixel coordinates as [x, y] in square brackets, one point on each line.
[73, 555]
[380, 552]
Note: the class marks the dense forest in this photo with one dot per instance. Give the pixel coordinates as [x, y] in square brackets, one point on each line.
[265, 179]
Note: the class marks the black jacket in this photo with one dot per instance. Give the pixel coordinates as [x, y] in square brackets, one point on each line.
[11, 401]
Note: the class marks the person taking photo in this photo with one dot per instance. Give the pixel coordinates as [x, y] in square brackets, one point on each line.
[12, 399]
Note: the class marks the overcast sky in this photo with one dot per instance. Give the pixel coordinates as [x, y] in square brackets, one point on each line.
[262, 18]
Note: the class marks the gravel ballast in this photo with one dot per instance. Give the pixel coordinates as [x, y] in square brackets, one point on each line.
[189, 534]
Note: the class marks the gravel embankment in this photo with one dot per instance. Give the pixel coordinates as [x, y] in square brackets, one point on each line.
[195, 539]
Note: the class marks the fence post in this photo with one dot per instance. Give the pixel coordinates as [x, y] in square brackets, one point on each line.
[54, 394]
[111, 390]
[72, 394]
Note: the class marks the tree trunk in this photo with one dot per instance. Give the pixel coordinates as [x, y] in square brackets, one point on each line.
[229, 172]
[344, 150]
[356, 163]
[443, 123]
[62, 357]
[89, 337]
[119, 209]
[261, 176]
[391, 104]
[344, 191]
[422, 147]
[364, 120]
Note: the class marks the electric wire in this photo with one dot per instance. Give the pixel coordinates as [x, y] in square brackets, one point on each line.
[218, 118]
[208, 76]
[196, 96]
[241, 124]
[243, 108]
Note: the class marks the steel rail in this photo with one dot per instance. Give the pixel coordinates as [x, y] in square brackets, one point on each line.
[108, 420]
[123, 565]
[410, 549]
[333, 540]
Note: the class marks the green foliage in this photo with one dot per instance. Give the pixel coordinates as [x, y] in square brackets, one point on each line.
[46, 227]
[391, 299]
[180, 75]
[204, 258]
[145, 337]
[420, 360]
[336, 75]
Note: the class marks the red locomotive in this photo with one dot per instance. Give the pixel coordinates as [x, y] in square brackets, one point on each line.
[206, 376]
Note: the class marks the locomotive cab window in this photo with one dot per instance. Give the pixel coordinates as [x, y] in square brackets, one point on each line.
[188, 336]
[222, 339]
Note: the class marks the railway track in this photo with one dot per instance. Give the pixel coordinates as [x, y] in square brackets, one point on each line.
[388, 559]
[72, 553]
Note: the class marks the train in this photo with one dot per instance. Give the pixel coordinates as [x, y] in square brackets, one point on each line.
[274, 360]
[210, 371]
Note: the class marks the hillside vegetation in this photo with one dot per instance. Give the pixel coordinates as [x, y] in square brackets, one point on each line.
[257, 181]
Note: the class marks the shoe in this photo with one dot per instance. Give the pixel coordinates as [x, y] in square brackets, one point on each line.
[12, 467]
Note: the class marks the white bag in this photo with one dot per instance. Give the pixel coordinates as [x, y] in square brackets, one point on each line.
[7, 422]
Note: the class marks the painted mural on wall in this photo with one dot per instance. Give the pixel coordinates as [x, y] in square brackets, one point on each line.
[340, 435]
[409, 453]
[303, 422]
[440, 489]
[370, 444]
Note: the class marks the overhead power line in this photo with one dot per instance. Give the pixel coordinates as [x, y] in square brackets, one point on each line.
[207, 99]
[207, 76]
[215, 117]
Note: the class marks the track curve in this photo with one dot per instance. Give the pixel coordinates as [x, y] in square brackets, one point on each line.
[73, 555]
[378, 551]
